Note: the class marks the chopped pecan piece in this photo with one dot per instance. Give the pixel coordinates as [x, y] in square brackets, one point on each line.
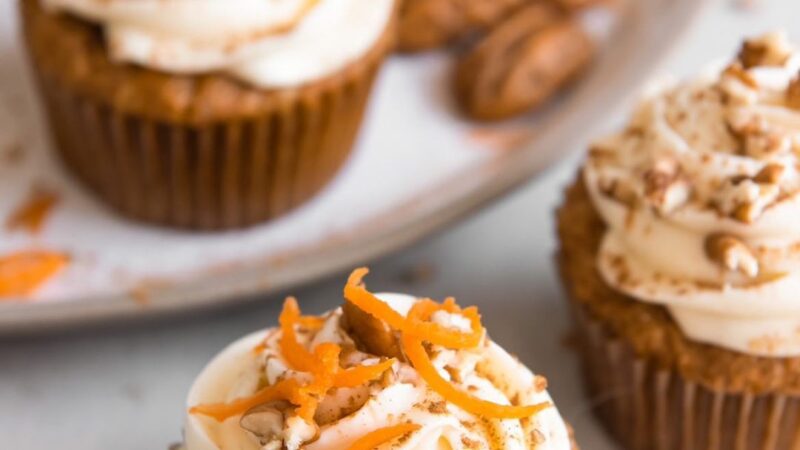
[793, 93]
[744, 199]
[521, 63]
[266, 421]
[663, 186]
[621, 191]
[738, 72]
[766, 145]
[771, 174]
[732, 254]
[768, 50]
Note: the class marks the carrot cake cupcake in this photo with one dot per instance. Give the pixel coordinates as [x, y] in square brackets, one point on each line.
[205, 114]
[384, 371]
[680, 249]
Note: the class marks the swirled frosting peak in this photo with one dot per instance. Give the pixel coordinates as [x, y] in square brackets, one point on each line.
[701, 197]
[268, 43]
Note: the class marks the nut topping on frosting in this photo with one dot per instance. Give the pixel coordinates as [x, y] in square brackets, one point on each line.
[793, 93]
[314, 384]
[768, 50]
[732, 254]
[710, 169]
[664, 188]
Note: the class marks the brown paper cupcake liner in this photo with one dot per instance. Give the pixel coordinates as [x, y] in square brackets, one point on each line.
[645, 407]
[214, 174]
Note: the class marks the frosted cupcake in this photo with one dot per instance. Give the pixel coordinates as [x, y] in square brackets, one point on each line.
[385, 371]
[680, 247]
[206, 114]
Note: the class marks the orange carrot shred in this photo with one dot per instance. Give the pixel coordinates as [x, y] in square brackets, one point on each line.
[416, 328]
[295, 354]
[416, 354]
[356, 376]
[221, 411]
[323, 362]
[23, 272]
[32, 214]
[357, 294]
[311, 322]
[418, 325]
[382, 436]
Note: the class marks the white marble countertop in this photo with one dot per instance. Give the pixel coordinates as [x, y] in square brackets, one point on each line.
[123, 389]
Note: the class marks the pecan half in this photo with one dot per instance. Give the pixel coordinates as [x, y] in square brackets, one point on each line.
[371, 335]
[521, 63]
[428, 24]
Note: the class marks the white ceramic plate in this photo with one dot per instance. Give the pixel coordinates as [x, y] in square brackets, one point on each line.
[417, 168]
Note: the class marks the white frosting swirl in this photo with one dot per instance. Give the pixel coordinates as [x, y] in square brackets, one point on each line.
[490, 373]
[268, 43]
[701, 195]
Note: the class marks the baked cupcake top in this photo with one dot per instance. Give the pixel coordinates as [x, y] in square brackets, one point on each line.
[701, 195]
[384, 371]
[268, 43]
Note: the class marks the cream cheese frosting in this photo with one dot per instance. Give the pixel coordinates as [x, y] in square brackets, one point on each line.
[701, 197]
[268, 43]
[345, 415]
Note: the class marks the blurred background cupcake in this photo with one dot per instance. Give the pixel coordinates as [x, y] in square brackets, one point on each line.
[680, 247]
[203, 114]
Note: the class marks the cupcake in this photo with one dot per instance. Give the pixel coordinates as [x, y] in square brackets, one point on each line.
[205, 114]
[385, 371]
[680, 249]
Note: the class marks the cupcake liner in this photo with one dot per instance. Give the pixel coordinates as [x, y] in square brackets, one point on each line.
[211, 176]
[215, 174]
[646, 407]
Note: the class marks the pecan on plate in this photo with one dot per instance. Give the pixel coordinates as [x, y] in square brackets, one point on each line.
[580, 4]
[428, 24]
[521, 63]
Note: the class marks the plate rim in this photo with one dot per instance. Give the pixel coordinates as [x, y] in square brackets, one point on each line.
[593, 96]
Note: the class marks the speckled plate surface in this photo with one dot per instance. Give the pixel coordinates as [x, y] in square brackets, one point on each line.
[417, 168]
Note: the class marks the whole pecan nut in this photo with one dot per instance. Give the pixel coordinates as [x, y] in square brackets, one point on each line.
[522, 62]
[428, 24]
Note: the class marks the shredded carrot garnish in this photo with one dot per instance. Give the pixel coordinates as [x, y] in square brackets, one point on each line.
[323, 362]
[359, 375]
[416, 354]
[418, 325]
[221, 411]
[32, 214]
[356, 293]
[327, 356]
[310, 322]
[382, 436]
[23, 272]
[415, 329]
[295, 354]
